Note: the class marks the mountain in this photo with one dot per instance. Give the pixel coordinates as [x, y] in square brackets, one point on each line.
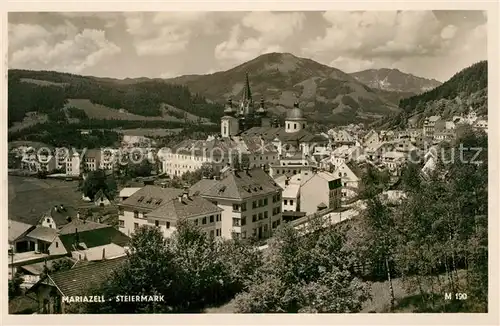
[326, 94]
[465, 90]
[394, 80]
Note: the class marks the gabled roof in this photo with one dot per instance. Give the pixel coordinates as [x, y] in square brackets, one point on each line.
[242, 184]
[202, 186]
[182, 208]
[61, 216]
[151, 197]
[80, 279]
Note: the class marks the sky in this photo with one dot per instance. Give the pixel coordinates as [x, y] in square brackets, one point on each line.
[431, 44]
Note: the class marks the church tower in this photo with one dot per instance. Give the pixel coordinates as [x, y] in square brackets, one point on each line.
[246, 104]
[262, 114]
[229, 123]
[295, 120]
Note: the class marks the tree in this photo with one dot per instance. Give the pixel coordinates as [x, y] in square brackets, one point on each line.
[15, 285]
[309, 273]
[98, 180]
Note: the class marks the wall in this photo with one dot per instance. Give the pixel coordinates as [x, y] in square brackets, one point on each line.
[312, 193]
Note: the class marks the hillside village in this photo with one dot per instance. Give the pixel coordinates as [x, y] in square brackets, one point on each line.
[253, 176]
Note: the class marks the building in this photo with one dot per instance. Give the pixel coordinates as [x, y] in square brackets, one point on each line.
[350, 175]
[133, 210]
[101, 200]
[371, 138]
[321, 189]
[91, 159]
[127, 192]
[73, 164]
[250, 201]
[75, 282]
[429, 124]
[394, 161]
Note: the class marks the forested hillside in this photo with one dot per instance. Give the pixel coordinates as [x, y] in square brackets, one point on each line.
[466, 89]
[47, 92]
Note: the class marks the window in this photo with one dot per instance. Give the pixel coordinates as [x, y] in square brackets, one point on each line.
[136, 214]
[157, 223]
[294, 126]
[236, 207]
[244, 234]
[57, 244]
[168, 225]
[254, 217]
[291, 201]
[204, 220]
[285, 202]
[254, 204]
[303, 125]
[196, 222]
[236, 221]
[260, 202]
[260, 216]
[121, 223]
[265, 214]
[211, 218]
[136, 226]
[211, 233]
[243, 220]
[48, 220]
[243, 207]
[265, 201]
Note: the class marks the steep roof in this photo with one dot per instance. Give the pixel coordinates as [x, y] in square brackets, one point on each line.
[129, 191]
[151, 197]
[61, 216]
[80, 279]
[182, 208]
[358, 172]
[243, 184]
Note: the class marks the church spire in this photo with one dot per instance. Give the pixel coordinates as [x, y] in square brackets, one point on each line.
[247, 95]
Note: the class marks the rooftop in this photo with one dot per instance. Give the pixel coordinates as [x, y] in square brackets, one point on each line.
[185, 207]
[43, 233]
[242, 184]
[151, 197]
[80, 279]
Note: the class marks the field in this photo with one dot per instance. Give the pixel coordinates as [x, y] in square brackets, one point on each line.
[149, 132]
[28, 122]
[31, 197]
[96, 111]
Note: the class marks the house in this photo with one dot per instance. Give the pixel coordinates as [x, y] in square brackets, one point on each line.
[203, 213]
[250, 200]
[91, 159]
[372, 137]
[133, 210]
[32, 273]
[394, 161]
[429, 124]
[350, 175]
[52, 291]
[100, 199]
[293, 164]
[321, 188]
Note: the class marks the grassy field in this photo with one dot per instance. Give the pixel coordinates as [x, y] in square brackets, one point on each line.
[96, 111]
[31, 197]
[28, 122]
[149, 132]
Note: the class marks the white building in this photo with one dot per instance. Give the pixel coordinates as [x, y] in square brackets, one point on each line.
[250, 201]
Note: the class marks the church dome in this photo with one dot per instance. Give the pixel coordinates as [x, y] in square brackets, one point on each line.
[295, 113]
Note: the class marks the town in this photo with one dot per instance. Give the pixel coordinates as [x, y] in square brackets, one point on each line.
[252, 177]
[248, 162]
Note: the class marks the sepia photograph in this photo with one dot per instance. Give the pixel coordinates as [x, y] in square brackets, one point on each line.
[247, 162]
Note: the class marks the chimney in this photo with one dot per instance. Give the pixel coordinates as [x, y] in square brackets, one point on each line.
[185, 193]
[180, 198]
[77, 238]
[62, 207]
[103, 253]
[55, 208]
[287, 181]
